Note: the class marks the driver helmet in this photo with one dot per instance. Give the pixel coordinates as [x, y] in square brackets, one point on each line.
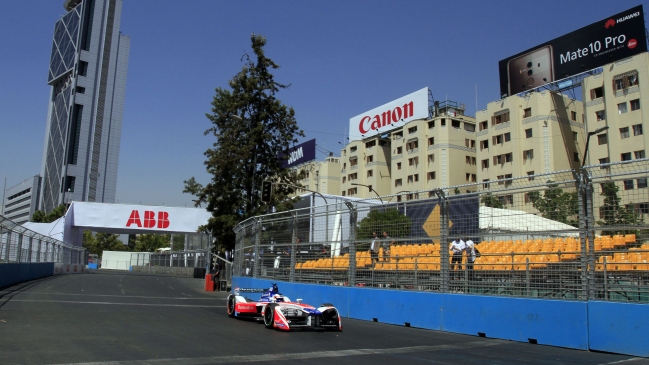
[278, 298]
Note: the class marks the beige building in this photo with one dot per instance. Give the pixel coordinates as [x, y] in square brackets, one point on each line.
[320, 176]
[423, 154]
[538, 133]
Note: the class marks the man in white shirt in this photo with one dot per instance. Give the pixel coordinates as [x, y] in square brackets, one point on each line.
[457, 247]
[374, 248]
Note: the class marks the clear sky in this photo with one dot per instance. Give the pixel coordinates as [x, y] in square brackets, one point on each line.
[341, 58]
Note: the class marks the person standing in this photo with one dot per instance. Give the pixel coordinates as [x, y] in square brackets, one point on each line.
[470, 257]
[457, 247]
[374, 248]
[387, 243]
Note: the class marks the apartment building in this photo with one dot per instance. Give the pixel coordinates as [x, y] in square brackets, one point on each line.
[321, 176]
[423, 154]
[614, 99]
[538, 133]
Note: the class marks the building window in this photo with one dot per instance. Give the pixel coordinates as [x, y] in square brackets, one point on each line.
[624, 132]
[431, 158]
[416, 176]
[344, 179]
[632, 80]
[468, 177]
[442, 122]
[602, 138]
[483, 125]
[600, 115]
[353, 176]
[83, 68]
[574, 136]
[637, 129]
[473, 143]
[642, 183]
[485, 183]
[370, 144]
[621, 108]
[508, 157]
[628, 184]
[527, 112]
[397, 135]
[344, 193]
[398, 165]
[639, 154]
[413, 161]
[626, 156]
[353, 162]
[430, 175]
[596, 93]
[352, 149]
[81, 90]
[498, 159]
[508, 137]
[409, 179]
[431, 141]
[635, 104]
[528, 133]
[412, 130]
[455, 123]
[497, 139]
[399, 150]
[352, 191]
[431, 124]
[370, 158]
[575, 156]
[530, 175]
[485, 164]
[412, 145]
[528, 155]
[474, 178]
[370, 173]
[397, 182]
[603, 161]
[484, 144]
[573, 115]
[619, 84]
[501, 118]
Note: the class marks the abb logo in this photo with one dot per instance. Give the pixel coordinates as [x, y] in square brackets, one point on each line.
[368, 123]
[609, 23]
[149, 219]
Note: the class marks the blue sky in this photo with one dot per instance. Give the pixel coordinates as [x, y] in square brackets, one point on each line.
[341, 58]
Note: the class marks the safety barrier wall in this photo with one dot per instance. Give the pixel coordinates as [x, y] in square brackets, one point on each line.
[585, 325]
[14, 273]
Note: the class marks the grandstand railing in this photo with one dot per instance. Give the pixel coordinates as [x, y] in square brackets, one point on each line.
[21, 245]
[574, 235]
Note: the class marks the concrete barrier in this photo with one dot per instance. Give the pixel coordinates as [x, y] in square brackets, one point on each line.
[601, 326]
[60, 268]
[14, 273]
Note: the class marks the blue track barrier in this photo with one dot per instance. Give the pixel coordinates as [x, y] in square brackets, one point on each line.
[14, 273]
[602, 326]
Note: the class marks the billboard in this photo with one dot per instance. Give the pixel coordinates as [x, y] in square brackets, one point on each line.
[389, 116]
[616, 37]
[298, 154]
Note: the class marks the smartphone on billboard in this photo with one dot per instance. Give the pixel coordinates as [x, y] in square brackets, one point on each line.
[530, 70]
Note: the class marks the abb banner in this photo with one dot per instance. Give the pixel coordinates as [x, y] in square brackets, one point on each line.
[389, 116]
[121, 218]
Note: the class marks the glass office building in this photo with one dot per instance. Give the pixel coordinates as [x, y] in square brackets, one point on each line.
[87, 75]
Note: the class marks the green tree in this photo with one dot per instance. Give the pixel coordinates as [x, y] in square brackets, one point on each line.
[557, 205]
[101, 242]
[491, 201]
[615, 215]
[396, 224]
[40, 217]
[151, 242]
[251, 127]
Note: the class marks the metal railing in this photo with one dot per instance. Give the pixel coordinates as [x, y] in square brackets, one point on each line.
[574, 235]
[20, 245]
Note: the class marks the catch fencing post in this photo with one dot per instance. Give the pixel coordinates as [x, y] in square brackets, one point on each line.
[443, 241]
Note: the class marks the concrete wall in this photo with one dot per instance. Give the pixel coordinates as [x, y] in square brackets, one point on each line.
[16, 273]
[602, 326]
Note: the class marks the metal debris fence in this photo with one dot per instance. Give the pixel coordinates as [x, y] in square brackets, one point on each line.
[19, 244]
[574, 235]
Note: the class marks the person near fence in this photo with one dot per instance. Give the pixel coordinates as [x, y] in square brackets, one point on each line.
[457, 247]
[374, 248]
[386, 243]
[470, 257]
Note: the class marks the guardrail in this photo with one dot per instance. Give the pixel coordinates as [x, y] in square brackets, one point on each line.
[575, 235]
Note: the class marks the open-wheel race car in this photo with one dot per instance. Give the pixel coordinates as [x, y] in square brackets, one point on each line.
[279, 312]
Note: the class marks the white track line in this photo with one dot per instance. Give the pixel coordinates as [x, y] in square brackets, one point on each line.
[109, 303]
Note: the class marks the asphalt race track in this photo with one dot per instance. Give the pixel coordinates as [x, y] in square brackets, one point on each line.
[119, 318]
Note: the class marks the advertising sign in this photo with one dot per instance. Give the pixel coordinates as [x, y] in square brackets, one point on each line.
[299, 154]
[389, 116]
[608, 40]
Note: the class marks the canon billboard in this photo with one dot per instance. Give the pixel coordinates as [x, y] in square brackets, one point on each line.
[299, 154]
[608, 40]
[389, 116]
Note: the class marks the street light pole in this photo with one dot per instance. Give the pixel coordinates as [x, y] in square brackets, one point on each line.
[590, 134]
[370, 187]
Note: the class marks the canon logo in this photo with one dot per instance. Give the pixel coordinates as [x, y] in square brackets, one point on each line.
[149, 219]
[368, 123]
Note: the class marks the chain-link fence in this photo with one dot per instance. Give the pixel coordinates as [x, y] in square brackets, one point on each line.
[18, 244]
[574, 235]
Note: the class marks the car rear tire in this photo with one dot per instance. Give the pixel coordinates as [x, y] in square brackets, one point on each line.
[231, 303]
[269, 315]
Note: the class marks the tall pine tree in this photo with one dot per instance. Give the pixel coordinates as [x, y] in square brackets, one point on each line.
[251, 127]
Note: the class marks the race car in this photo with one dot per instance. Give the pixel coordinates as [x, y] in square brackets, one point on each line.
[279, 312]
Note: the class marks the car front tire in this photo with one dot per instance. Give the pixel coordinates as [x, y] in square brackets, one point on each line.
[269, 315]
